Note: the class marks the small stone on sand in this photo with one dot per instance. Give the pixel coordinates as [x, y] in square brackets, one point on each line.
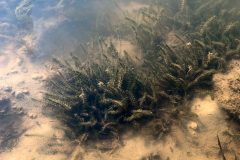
[7, 89]
[37, 77]
[19, 61]
[32, 115]
[192, 125]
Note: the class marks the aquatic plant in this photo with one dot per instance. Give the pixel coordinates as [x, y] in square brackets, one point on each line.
[179, 72]
[151, 31]
[183, 54]
[174, 70]
[220, 37]
[213, 23]
[99, 97]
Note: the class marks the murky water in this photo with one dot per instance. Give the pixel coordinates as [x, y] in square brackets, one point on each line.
[34, 31]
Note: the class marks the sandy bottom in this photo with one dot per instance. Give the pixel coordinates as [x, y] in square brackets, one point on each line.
[41, 137]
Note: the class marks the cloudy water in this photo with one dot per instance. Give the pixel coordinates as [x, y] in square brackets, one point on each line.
[119, 79]
[47, 27]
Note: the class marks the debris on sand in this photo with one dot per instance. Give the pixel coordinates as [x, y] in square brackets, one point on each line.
[37, 77]
[12, 72]
[192, 125]
[6, 88]
[4, 103]
[32, 115]
[4, 99]
[19, 61]
[221, 148]
[21, 94]
[152, 157]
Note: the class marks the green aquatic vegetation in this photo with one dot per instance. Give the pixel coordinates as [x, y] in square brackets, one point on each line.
[178, 72]
[99, 97]
[213, 23]
[151, 30]
[216, 25]
[204, 44]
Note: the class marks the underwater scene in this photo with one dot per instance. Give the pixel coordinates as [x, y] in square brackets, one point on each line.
[119, 79]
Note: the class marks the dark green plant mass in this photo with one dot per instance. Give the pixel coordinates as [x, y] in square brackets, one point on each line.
[184, 45]
[178, 72]
[99, 97]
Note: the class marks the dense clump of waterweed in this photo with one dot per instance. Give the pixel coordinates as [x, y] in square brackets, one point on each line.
[99, 97]
[182, 50]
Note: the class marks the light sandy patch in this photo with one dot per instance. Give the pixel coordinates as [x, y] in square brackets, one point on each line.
[41, 141]
[43, 138]
[124, 46]
[132, 6]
